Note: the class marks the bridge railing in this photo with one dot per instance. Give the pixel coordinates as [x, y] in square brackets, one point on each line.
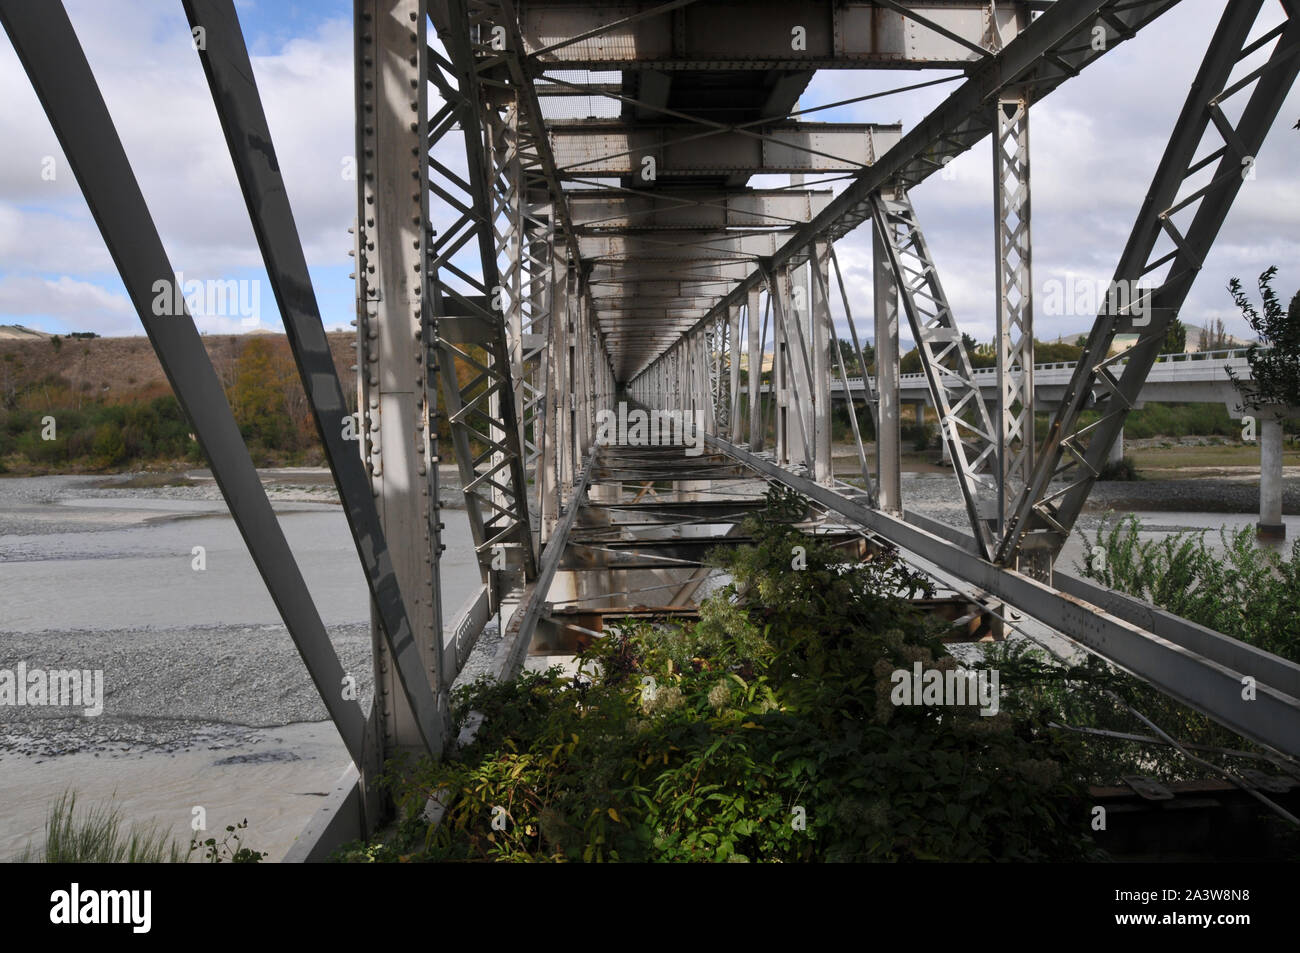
[1223, 355]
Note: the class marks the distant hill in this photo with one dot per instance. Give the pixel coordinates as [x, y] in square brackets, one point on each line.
[1193, 339]
[16, 332]
[126, 368]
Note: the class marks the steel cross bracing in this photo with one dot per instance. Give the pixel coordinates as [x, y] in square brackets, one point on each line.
[1058, 44]
[963, 417]
[535, 244]
[1183, 212]
[1014, 338]
[483, 410]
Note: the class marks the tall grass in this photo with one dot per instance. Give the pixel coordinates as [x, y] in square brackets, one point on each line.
[1246, 591]
[99, 836]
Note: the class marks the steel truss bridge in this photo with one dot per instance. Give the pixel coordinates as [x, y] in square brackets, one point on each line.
[554, 214]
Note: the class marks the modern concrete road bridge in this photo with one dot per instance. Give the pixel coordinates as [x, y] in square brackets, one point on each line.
[1207, 377]
[1193, 378]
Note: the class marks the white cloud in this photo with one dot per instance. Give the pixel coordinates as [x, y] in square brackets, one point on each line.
[155, 90]
[75, 305]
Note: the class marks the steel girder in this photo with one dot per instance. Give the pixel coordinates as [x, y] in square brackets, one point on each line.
[1195, 666]
[1015, 303]
[889, 475]
[822, 317]
[524, 232]
[733, 374]
[393, 390]
[600, 211]
[51, 54]
[1057, 45]
[588, 149]
[722, 246]
[754, 368]
[411, 679]
[855, 34]
[791, 372]
[519, 633]
[958, 400]
[1186, 217]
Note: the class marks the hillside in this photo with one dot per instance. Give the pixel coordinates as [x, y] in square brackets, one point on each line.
[16, 332]
[110, 405]
[123, 369]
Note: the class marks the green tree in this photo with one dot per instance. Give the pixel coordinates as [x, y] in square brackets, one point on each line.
[1274, 366]
[851, 366]
[1175, 339]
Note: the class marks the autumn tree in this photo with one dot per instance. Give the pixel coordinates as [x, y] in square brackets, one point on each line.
[258, 397]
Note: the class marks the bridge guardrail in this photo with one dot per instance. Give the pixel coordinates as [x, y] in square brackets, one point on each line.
[1224, 356]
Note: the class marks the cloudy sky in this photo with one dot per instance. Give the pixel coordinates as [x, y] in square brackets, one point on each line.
[1095, 145]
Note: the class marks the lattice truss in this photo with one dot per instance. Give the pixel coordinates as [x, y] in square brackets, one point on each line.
[1015, 303]
[1234, 100]
[959, 402]
[482, 368]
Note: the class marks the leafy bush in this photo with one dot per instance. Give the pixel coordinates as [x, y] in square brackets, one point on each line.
[1246, 591]
[1274, 369]
[763, 732]
[1122, 470]
[921, 435]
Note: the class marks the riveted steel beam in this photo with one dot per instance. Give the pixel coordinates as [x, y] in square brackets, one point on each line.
[766, 34]
[408, 642]
[586, 149]
[677, 209]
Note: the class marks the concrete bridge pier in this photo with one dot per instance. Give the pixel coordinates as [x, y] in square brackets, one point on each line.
[918, 409]
[1270, 524]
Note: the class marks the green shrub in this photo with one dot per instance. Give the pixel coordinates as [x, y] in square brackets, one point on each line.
[763, 732]
[1246, 591]
[1121, 470]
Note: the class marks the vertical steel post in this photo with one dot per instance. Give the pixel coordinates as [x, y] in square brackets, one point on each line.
[1015, 302]
[888, 441]
[819, 314]
[392, 215]
[755, 371]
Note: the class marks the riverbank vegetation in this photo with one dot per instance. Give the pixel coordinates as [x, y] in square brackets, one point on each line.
[1239, 588]
[103, 405]
[770, 730]
[100, 835]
